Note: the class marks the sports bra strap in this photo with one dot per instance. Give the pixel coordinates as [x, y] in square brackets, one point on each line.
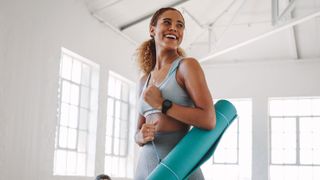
[175, 66]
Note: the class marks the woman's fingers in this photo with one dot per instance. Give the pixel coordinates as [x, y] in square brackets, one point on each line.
[148, 132]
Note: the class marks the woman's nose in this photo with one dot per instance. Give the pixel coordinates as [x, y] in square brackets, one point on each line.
[173, 28]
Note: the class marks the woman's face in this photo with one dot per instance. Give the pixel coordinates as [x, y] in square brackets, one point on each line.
[168, 33]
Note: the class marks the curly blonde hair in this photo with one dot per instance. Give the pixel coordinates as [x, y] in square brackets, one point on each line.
[146, 52]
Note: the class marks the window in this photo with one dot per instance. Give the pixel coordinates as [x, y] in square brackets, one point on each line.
[77, 116]
[233, 154]
[295, 134]
[120, 116]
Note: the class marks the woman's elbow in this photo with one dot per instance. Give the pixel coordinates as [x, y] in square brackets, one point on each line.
[211, 122]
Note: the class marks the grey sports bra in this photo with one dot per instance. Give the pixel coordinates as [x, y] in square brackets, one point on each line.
[170, 89]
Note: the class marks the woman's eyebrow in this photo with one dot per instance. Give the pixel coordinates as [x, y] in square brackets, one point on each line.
[167, 19]
[171, 20]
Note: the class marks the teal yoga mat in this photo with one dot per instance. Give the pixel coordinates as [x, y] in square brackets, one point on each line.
[195, 148]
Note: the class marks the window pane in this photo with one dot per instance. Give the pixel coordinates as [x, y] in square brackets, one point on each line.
[73, 122]
[306, 125]
[74, 96]
[85, 76]
[116, 146]
[289, 125]
[72, 138]
[290, 107]
[277, 125]
[124, 129]
[115, 166]
[315, 107]
[316, 156]
[61, 162]
[108, 164]
[118, 109]
[76, 72]
[276, 140]
[108, 147]
[66, 88]
[64, 115]
[290, 156]
[110, 109]
[277, 156]
[117, 89]
[83, 124]
[306, 140]
[117, 128]
[66, 67]
[63, 135]
[123, 147]
[125, 92]
[304, 107]
[122, 166]
[82, 142]
[124, 111]
[111, 86]
[85, 97]
[276, 107]
[109, 126]
[289, 141]
[81, 164]
[306, 156]
[316, 140]
[71, 163]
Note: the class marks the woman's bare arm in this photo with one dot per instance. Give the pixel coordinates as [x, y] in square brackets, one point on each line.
[193, 80]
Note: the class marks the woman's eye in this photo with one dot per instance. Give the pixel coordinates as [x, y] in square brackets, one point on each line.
[166, 22]
[180, 25]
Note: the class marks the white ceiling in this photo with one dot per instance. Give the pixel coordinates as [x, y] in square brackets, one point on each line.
[224, 31]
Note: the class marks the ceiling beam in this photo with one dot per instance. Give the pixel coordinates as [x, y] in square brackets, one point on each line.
[291, 23]
[295, 47]
[134, 22]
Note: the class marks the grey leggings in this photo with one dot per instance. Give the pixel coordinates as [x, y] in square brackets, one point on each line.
[148, 157]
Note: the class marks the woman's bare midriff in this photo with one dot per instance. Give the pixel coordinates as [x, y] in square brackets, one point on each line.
[166, 123]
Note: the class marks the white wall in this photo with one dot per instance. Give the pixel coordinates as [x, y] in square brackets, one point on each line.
[31, 35]
[260, 81]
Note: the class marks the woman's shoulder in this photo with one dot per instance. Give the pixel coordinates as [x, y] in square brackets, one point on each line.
[189, 62]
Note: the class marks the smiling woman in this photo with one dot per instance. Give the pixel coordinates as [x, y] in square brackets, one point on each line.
[173, 93]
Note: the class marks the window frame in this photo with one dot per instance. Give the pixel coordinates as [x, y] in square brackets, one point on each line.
[88, 132]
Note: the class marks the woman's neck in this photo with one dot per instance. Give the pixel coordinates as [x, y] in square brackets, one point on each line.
[164, 58]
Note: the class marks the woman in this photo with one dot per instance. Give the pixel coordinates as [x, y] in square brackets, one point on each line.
[173, 93]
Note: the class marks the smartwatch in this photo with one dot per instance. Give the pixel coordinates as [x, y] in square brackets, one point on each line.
[166, 105]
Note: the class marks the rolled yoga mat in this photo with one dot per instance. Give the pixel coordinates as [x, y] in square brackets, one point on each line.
[195, 147]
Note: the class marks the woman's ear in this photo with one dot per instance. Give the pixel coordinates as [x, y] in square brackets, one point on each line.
[151, 31]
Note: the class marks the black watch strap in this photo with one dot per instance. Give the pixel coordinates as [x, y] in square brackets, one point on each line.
[166, 105]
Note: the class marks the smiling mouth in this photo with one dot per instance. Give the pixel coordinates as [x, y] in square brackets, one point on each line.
[171, 36]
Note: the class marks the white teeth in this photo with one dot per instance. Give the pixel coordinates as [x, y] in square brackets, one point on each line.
[171, 36]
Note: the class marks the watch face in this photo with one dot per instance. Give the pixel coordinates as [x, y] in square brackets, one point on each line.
[167, 103]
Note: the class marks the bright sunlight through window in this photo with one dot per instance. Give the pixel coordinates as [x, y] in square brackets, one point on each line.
[295, 138]
[120, 116]
[77, 116]
[232, 158]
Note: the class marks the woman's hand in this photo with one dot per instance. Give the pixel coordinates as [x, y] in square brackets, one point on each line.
[152, 95]
[146, 133]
